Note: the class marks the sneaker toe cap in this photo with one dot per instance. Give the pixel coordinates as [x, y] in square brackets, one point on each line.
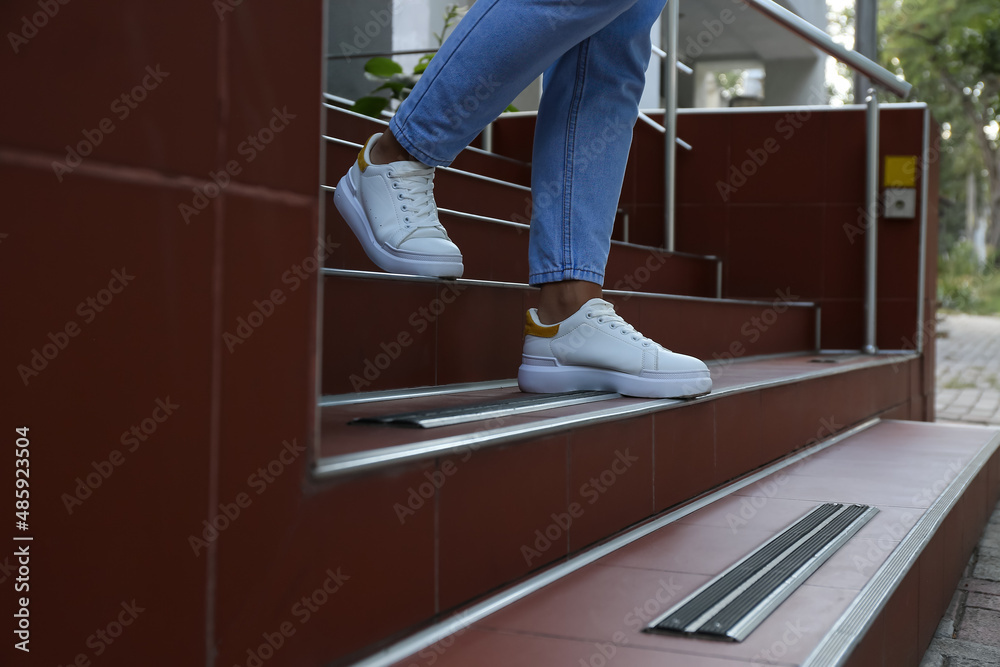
[440, 247]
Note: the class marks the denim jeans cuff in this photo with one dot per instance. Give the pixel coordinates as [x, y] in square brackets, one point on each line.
[566, 274]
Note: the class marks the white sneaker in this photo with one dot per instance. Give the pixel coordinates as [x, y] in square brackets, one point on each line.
[391, 209]
[595, 349]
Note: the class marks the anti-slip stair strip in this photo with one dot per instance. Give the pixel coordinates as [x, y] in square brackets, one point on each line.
[504, 407]
[355, 462]
[836, 646]
[735, 602]
[463, 619]
[414, 392]
[462, 172]
[723, 586]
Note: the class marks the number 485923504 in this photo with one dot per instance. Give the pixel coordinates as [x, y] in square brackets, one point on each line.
[21, 474]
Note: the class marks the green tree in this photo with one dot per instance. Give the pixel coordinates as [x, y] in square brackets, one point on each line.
[950, 51]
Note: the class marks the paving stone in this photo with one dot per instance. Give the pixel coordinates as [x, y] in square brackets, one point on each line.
[983, 601]
[981, 626]
[980, 586]
[988, 568]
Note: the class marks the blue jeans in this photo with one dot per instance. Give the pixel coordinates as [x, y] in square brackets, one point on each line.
[594, 55]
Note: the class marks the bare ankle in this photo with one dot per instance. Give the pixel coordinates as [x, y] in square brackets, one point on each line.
[387, 149]
[561, 299]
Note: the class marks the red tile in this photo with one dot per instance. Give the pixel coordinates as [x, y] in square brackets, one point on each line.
[129, 341]
[340, 549]
[611, 478]
[843, 261]
[703, 229]
[775, 247]
[739, 447]
[701, 171]
[167, 121]
[778, 157]
[901, 616]
[499, 516]
[845, 147]
[934, 591]
[366, 348]
[272, 93]
[873, 649]
[685, 453]
[842, 324]
[492, 317]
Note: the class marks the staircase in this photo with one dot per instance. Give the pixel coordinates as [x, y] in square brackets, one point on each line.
[527, 537]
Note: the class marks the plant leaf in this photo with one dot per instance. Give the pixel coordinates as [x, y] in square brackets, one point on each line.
[383, 67]
[371, 106]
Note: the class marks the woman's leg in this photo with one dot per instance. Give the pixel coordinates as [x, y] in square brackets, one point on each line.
[494, 53]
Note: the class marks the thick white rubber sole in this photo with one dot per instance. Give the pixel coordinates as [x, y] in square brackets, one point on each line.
[387, 258]
[553, 379]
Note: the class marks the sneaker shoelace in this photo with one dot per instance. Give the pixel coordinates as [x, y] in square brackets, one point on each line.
[416, 188]
[605, 314]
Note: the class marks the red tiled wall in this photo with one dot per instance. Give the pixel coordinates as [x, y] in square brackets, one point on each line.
[796, 220]
[211, 81]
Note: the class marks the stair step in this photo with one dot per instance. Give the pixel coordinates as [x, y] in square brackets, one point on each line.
[835, 394]
[495, 249]
[880, 595]
[424, 337]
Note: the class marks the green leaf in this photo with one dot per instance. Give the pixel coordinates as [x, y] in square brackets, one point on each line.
[371, 106]
[510, 107]
[383, 67]
[395, 86]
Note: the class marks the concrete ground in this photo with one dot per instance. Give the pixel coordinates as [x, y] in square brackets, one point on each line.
[968, 390]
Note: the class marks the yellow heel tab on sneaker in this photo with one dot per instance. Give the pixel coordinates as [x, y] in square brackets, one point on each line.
[533, 328]
[362, 162]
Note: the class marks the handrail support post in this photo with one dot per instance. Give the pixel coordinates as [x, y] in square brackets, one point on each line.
[871, 219]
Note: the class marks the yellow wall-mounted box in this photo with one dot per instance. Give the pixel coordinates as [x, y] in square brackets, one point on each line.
[900, 171]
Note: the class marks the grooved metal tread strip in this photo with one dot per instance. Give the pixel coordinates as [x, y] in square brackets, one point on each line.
[463, 414]
[738, 600]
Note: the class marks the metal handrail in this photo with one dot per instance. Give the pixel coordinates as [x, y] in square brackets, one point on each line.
[825, 43]
[810, 33]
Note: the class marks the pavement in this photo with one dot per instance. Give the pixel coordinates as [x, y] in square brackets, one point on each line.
[968, 391]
